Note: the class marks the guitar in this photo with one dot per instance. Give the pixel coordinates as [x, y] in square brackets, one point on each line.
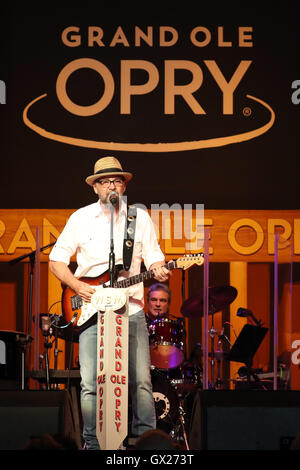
[77, 312]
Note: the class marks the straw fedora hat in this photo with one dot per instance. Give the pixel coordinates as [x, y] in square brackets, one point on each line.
[107, 166]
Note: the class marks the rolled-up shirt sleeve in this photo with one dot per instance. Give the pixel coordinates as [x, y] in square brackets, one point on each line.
[66, 244]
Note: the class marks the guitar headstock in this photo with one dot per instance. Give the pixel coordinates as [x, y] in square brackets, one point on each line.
[189, 260]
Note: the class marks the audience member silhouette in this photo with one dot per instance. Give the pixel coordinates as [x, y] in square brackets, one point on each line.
[155, 439]
[51, 442]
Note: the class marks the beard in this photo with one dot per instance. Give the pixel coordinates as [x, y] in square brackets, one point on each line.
[105, 199]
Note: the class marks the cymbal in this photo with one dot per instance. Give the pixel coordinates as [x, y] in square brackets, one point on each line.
[218, 299]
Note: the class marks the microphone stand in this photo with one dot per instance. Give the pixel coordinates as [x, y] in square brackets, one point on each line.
[112, 260]
[212, 332]
[183, 299]
[47, 345]
[219, 356]
[46, 327]
[56, 350]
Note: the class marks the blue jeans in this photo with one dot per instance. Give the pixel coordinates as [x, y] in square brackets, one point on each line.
[140, 386]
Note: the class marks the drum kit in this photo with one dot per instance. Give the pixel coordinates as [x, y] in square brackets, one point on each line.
[176, 379]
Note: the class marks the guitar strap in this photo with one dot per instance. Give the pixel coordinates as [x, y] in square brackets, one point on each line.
[129, 236]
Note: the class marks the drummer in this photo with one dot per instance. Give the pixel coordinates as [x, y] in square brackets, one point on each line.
[158, 300]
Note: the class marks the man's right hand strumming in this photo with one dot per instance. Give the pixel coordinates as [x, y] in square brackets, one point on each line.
[65, 275]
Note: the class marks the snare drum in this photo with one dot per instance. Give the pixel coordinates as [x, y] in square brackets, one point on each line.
[166, 337]
[185, 379]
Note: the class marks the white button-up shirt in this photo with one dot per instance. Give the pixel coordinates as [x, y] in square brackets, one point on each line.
[87, 233]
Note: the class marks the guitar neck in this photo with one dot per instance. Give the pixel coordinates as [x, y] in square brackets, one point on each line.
[146, 275]
[72, 301]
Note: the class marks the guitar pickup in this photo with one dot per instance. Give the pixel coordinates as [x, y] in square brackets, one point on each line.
[76, 302]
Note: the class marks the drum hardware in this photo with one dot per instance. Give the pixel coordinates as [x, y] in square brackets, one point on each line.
[179, 432]
[182, 422]
[220, 355]
[212, 333]
[218, 299]
[182, 428]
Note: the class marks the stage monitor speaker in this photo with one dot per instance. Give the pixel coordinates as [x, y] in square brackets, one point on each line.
[244, 420]
[33, 413]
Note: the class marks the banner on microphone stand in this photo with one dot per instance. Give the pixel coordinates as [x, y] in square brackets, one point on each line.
[112, 367]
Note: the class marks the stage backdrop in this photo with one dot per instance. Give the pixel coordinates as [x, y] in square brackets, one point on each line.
[203, 109]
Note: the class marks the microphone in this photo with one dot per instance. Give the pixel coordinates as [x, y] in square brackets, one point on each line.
[243, 312]
[113, 198]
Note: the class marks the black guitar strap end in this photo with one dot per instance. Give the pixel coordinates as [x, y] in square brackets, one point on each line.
[129, 235]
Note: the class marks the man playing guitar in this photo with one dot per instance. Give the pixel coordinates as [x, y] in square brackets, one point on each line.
[87, 233]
